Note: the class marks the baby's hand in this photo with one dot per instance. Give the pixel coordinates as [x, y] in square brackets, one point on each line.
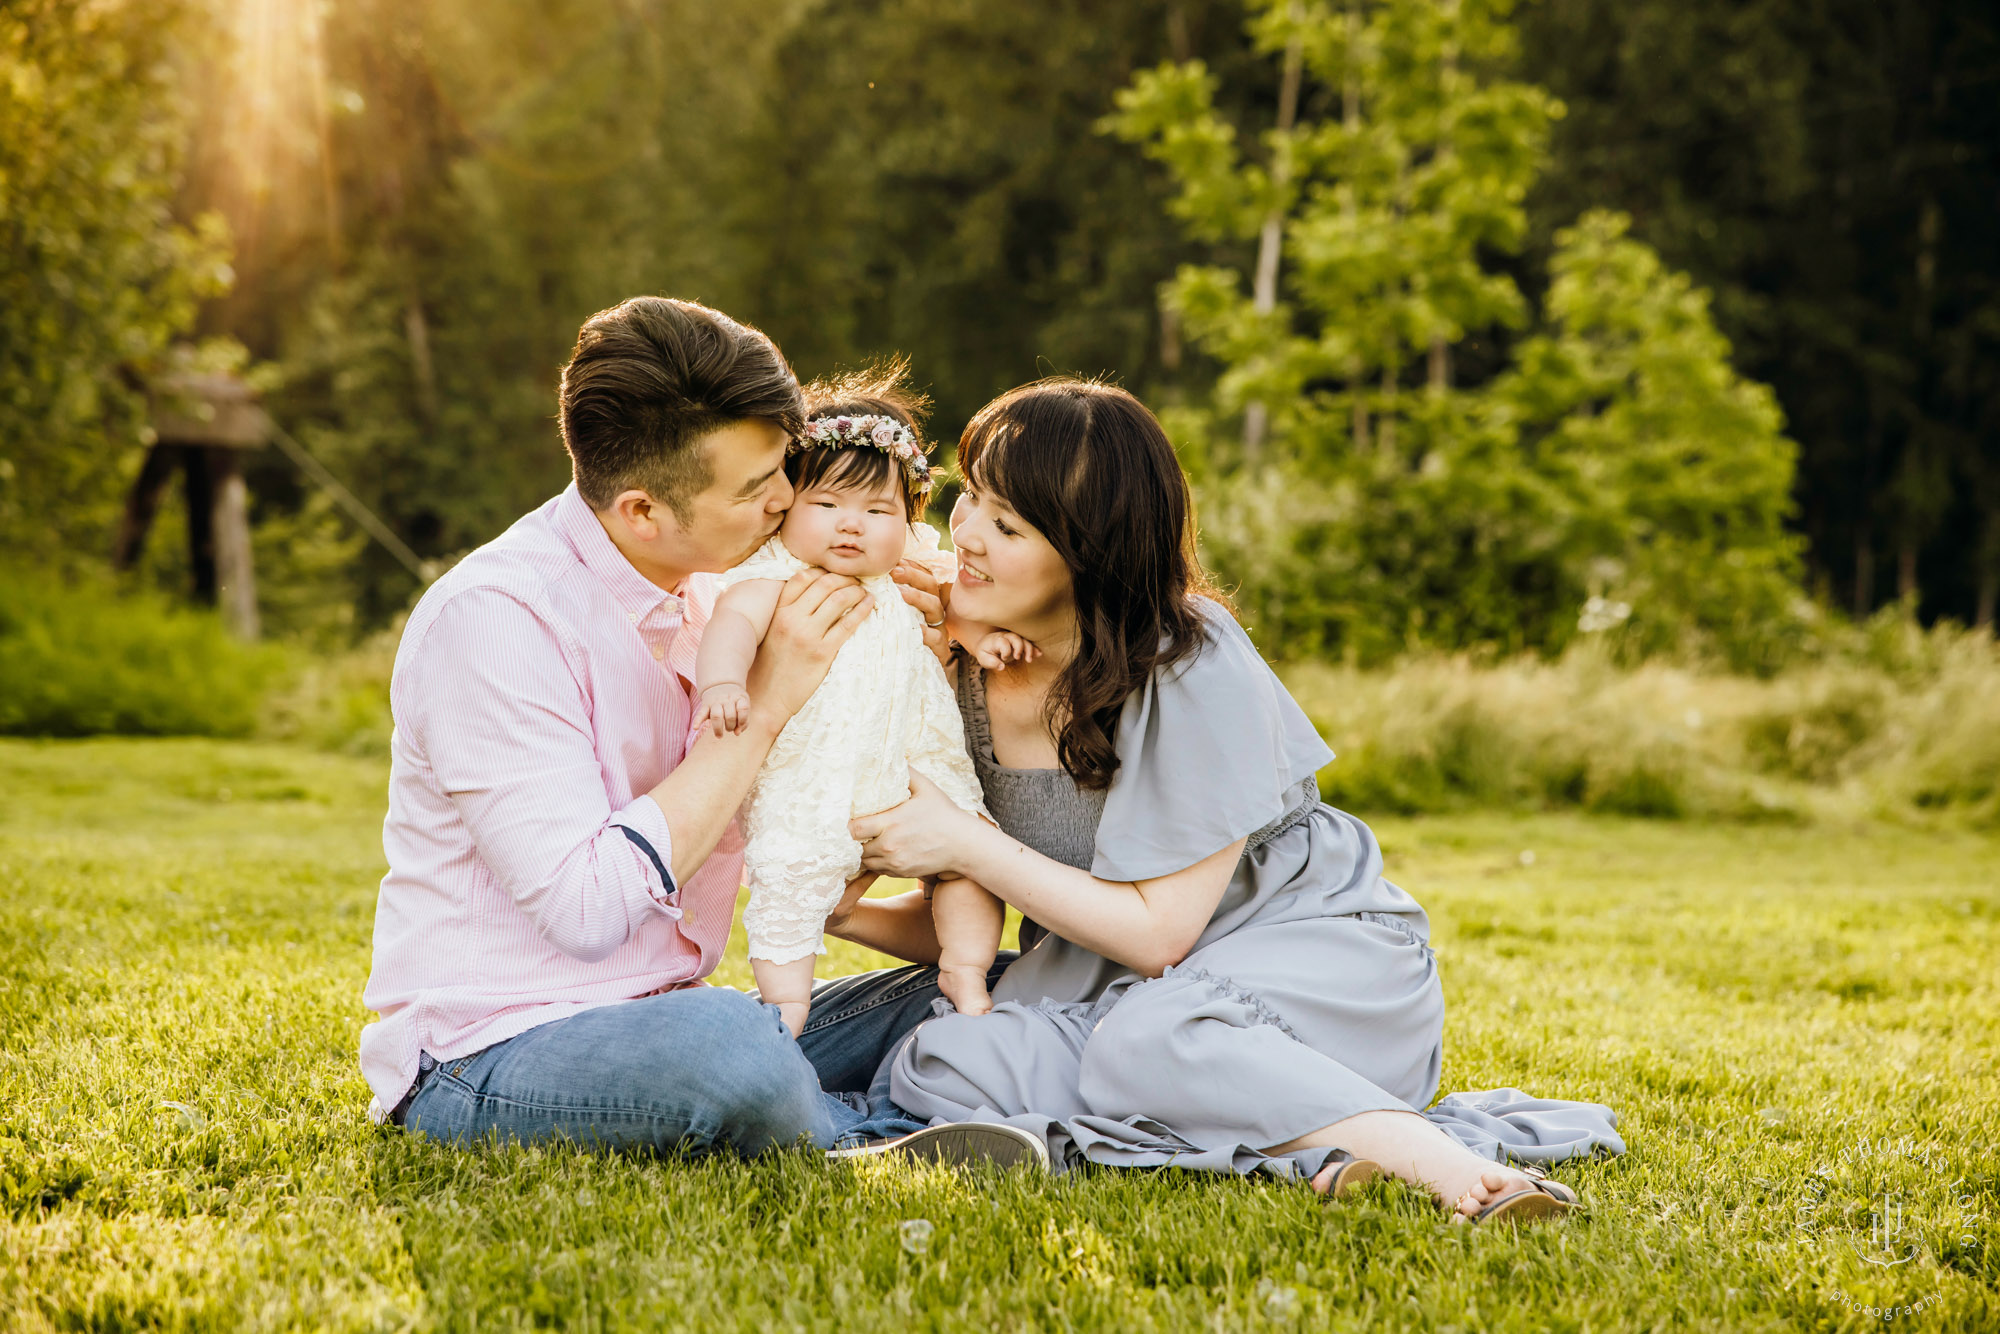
[725, 706]
[996, 650]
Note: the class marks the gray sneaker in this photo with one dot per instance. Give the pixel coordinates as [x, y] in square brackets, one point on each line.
[961, 1145]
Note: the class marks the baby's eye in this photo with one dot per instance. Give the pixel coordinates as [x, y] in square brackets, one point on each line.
[1001, 524]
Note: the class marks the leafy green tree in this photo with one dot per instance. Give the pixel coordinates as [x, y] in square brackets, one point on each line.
[1829, 172]
[97, 279]
[1419, 165]
[489, 174]
[934, 187]
[1617, 476]
[495, 173]
[1674, 469]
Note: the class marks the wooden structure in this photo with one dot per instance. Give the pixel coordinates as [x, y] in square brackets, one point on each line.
[202, 424]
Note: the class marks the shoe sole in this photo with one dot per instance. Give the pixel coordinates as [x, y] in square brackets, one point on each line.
[964, 1145]
[1527, 1206]
[1353, 1175]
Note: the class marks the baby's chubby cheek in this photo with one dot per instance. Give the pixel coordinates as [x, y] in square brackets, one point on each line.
[797, 535]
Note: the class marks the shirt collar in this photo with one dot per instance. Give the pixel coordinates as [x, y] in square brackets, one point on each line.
[636, 595]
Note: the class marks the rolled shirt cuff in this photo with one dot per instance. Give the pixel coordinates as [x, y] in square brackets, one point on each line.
[644, 825]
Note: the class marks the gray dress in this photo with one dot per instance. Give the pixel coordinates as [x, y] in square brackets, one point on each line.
[1312, 994]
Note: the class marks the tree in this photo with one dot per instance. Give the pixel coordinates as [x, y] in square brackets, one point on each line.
[1829, 171]
[1674, 468]
[463, 184]
[936, 189]
[1617, 458]
[97, 280]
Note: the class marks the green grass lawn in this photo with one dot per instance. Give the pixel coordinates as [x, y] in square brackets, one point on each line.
[1796, 1026]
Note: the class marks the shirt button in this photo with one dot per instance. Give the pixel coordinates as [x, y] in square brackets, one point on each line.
[659, 654]
[632, 616]
[689, 918]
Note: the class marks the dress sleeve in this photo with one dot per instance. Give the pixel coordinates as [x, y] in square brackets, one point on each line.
[1209, 749]
[770, 561]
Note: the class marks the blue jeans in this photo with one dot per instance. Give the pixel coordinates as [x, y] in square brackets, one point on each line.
[704, 1068]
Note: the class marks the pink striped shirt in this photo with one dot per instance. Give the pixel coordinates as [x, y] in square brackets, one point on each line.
[542, 686]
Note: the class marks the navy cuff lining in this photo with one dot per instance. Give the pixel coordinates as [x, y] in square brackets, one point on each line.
[639, 841]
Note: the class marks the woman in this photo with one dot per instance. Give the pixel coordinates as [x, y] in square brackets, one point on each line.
[1215, 973]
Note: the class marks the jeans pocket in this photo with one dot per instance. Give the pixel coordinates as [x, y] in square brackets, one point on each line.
[443, 1109]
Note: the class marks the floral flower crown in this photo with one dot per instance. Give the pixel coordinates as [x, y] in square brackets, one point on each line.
[868, 432]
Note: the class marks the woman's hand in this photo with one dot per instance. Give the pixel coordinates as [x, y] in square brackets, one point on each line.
[924, 836]
[920, 588]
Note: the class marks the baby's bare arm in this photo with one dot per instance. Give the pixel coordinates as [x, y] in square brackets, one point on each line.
[736, 627]
[741, 619]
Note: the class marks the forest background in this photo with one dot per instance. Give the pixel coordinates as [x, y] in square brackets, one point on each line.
[1554, 336]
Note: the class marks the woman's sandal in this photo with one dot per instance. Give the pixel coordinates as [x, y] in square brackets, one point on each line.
[1540, 1198]
[1351, 1176]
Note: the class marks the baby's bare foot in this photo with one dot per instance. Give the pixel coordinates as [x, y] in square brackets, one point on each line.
[965, 987]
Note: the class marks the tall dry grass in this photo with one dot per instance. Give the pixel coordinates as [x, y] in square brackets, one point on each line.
[1900, 721]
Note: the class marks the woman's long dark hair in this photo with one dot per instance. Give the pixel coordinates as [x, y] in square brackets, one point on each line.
[1092, 469]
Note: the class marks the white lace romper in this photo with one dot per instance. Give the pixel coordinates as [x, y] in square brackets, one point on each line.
[885, 708]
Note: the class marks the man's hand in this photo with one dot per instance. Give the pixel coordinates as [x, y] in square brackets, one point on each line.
[842, 910]
[816, 614]
[919, 586]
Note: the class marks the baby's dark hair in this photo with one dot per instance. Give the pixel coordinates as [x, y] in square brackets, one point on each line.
[878, 390]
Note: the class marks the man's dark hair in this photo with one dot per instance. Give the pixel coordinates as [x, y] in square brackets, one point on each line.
[648, 379]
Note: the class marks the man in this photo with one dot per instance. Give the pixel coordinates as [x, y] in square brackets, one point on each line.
[563, 866]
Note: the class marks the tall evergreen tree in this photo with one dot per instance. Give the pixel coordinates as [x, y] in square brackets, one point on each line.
[1617, 477]
[1830, 171]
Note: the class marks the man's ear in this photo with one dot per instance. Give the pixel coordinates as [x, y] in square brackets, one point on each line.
[642, 516]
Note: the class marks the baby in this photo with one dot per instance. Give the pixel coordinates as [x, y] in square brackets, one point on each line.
[860, 478]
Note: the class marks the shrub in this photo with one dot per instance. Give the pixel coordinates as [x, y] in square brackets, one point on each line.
[1817, 722]
[1894, 720]
[1441, 733]
[78, 659]
[1943, 745]
[339, 701]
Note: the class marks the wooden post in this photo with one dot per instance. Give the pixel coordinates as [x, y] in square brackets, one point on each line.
[202, 426]
[235, 580]
[199, 492]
